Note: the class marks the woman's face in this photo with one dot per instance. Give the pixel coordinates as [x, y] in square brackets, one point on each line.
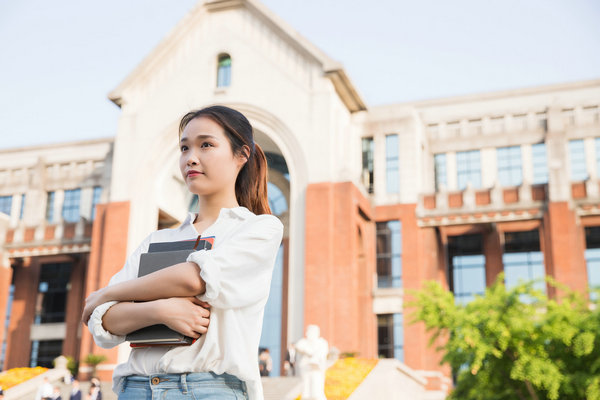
[205, 149]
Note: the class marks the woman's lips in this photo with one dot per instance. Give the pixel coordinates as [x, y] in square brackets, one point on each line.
[192, 174]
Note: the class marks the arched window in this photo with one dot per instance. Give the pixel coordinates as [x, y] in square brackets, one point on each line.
[224, 70]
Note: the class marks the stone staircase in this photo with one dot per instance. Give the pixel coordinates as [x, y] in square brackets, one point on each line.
[65, 390]
[281, 388]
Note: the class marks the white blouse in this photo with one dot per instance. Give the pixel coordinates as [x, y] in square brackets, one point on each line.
[237, 271]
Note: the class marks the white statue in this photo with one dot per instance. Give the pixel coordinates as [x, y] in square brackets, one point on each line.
[313, 351]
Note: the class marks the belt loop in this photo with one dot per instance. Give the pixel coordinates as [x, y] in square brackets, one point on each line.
[184, 387]
[122, 384]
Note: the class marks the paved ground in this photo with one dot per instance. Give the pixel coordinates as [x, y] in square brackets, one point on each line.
[107, 393]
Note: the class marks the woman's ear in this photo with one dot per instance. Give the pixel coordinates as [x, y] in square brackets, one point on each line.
[244, 155]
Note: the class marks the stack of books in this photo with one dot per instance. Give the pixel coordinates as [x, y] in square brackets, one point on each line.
[161, 255]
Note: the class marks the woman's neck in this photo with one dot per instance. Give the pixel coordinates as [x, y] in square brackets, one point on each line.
[210, 207]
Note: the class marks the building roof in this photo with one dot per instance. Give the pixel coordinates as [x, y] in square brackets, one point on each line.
[331, 68]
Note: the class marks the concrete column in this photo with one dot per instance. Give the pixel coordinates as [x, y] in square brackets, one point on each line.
[527, 163]
[451, 171]
[489, 167]
[559, 185]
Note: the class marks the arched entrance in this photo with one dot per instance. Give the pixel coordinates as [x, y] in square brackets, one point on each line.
[283, 320]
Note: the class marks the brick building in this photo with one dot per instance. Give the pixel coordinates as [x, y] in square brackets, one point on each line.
[374, 200]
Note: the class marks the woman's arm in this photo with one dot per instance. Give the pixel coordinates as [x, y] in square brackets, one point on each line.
[179, 280]
[184, 315]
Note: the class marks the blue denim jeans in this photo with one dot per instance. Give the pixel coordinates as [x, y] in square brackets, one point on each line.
[194, 386]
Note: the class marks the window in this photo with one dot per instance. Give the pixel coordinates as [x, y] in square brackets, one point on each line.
[52, 293]
[22, 206]
[467, 266]
[43, 352]
[390, 336]
[277, 200]
[9, 300]
[592, 259]
[577, 158]
[50, 207]
[389, 254]
[70, 210]
[392, 164]
[270, 337]
[522, 259]
[468, 167]
[368, 152]
[224, 70]
[540, 163]
[5, 204]
[439, 161]
[509, 166]
[95, 200]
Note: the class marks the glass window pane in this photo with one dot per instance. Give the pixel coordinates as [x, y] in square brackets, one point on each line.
[577, 159]
[468, 168]
[50, 207]
[509, 166]
[440, 171]
[95, 200]
[224, 71]
[5, 204]
[389, 254]
[70, 211]
[467, 266]
[592, 259]
[540, 163]
[522, 259]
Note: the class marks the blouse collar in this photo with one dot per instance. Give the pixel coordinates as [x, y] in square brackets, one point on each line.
[239, 212]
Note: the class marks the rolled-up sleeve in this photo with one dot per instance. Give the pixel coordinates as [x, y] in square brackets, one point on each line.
[238, 272]
[102, 337]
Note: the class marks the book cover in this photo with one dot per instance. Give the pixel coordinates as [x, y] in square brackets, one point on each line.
[161, 255]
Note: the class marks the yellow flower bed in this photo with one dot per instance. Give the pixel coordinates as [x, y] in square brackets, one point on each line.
[344, 377]
[14, 376]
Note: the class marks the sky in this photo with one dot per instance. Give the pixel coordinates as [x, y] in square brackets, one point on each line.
[59, 59]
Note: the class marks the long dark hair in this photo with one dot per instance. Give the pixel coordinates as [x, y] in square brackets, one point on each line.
[251, 182]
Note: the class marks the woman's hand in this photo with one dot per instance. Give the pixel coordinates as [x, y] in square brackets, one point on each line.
[186, 315]
[93, 300]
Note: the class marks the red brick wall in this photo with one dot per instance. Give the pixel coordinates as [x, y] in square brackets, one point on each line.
[107, 256]
[564, 242]
[18, 345]
[421, 260]
[338, 283]
[5, 279]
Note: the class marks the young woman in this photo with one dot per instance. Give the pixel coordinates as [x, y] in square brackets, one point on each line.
[223, 166]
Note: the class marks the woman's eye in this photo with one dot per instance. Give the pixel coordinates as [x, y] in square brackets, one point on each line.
[206, 144]
[183, 148]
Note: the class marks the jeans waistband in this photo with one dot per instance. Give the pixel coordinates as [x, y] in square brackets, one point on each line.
[177, 380]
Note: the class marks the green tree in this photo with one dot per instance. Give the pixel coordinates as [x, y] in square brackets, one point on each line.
[517, 343]
[93, 360]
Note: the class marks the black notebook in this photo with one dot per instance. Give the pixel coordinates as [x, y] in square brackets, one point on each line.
[161, 255]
